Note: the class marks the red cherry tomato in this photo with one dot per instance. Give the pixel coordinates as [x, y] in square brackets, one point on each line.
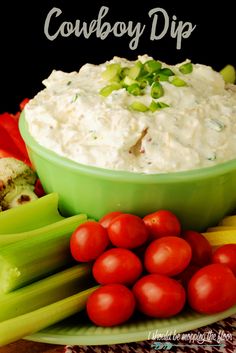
[162, 223]
[107, 218]
[88, 241]
[167, 256]
[117, 265]
[185, 276]
[159, 296]
[201, 248]
[226, 254]
[212, 289]
[110, 305]
[127, 231]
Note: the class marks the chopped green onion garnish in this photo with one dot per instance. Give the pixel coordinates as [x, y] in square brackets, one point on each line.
[153, 106]
[178, 82]
[69, 83]
[161, 77]
[157, 105]
[138, 76]
[111, 72]
[127, 81]
[186, 68]
[229, 74]
[124, 72]
[166, 71]
[134, 89]
[143, 83]
[106, 91]
[152, 66]
[134, 72]
[138, 106]
[149, 78]
[157, 90]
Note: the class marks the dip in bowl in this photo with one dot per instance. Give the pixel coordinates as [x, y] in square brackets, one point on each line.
[108, 140]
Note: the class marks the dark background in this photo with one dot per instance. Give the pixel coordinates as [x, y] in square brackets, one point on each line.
[27, 56]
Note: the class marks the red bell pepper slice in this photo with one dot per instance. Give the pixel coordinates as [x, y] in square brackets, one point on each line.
[10, 138]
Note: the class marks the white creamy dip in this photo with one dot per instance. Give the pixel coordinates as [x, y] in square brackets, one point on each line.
[197, 129]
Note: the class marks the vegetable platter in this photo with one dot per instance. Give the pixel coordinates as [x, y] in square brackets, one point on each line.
[76, 280]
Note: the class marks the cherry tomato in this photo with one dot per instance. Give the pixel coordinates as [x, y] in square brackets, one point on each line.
[88, 241]
[159, 296]
[167, 256]
[127, 231]
[107, 218]
[162, 223]
[212, 289]
[185, 276]
[117, 265]
[201, 248]
[226, 254]
[110, 305]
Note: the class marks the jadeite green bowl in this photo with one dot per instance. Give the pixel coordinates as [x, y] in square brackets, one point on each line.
[200, 198]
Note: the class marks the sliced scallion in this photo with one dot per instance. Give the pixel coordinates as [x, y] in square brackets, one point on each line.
[128, 81]
[178, 82]
[107, 90]
[154, 106]
[138, 106]
[166, 71]
[124, 72]
[143, 83]
[186, 68]
[152, 66]
[111, 72]
[229, 74]
[134, 89]
[157, 90]
[161, 77]
[134, 72]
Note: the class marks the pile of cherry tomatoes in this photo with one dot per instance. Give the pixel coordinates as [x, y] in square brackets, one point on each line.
[148, 264]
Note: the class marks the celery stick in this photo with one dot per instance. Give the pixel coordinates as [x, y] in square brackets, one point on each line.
[46, 291]
[31, 215]
[13, 329]
[31, 259]
[65, 225]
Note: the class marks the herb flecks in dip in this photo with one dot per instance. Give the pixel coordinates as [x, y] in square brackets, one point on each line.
[139, 116]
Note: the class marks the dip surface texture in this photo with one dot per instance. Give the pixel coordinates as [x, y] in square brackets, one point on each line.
[195, 129]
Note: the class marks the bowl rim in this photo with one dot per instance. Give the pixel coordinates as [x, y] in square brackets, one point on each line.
[119, 175]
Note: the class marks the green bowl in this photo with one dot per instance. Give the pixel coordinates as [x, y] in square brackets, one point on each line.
[200, 198]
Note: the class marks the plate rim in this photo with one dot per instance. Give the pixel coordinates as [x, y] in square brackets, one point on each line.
[44, 336]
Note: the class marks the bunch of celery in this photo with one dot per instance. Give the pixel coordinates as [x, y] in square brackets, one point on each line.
[39, 284]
